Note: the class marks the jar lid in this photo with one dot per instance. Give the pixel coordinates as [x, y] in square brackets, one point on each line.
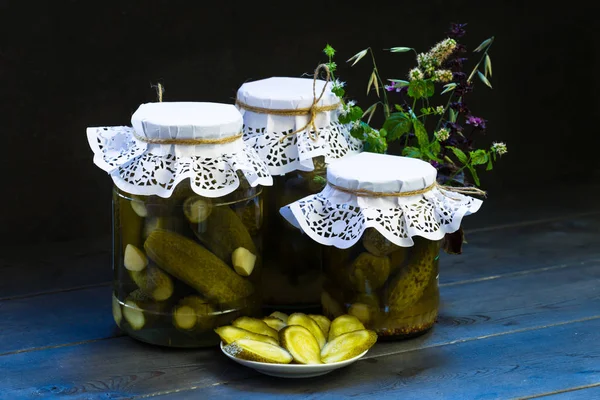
[397, 196]
[280, 125]
[173, 141]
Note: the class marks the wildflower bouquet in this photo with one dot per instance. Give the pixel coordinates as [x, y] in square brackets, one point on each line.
[441, 134]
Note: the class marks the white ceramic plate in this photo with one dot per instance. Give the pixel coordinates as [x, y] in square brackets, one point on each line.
[293, 370]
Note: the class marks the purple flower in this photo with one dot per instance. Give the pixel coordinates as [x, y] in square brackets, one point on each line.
[454, 127]
[456, 63]
[457, 30]
[460, 107]
[435, 164]
[392, 87]
[476, 122]
[463, 88]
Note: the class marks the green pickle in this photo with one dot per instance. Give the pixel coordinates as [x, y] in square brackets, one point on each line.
[185, 265]
[394, 290]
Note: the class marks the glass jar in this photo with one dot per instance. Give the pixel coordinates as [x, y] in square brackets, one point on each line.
[292, 278]
[180, 264]
[392, 290]
[187, 221]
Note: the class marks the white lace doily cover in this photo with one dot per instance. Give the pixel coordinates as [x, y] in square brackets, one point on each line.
[140, 168]
[336, 218]
[264, 131]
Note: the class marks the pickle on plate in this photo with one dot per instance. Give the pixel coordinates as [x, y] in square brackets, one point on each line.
[301, 344]
[255, 325]
[278, 314]
[275, 323]
[376, 244]
[253, 350]
[196, 266]
[408, 286]
[116, 310]
[344, 324]
[348, 345]
[243, 261]
[225, 233]
[140, 310]
[370, 272]
[193, 313]
[197, 209]
[134, 258]
[323, 322]
[310, 324]
[230, 334]
[153, 282]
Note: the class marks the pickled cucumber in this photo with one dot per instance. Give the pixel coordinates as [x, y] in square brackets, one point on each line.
[225, 233]
[363, 312]
[134, 259]
[253, 350]
[197, 209]
[301, 344]
[323, 322]
[344, 324]
[243, 261]
[376, 244]
[282, 316]
[370, 272]
[397, 259]
[116, 310]
[230, 334]
[252, 217]
[408, 286]
[330, 306]
[348, 345]
[140, 310]
[275, 323]
[193, 313]
[194, 265]
[307, 322]
[153, 282]
[255, 325]
[130, 223]
[173, 224]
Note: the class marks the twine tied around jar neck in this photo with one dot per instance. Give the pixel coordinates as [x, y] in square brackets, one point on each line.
[472, 191]
[188, 142]
[313, 110]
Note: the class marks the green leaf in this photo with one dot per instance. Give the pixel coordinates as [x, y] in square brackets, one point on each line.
[462, 157]
[490, 166]
[332, 66]
[329, 51]
[416, 89]
[436, 147]
[488, 65]
[421, 134]
[396, 125]
[484, 79]
[338, 91]
[398, 107]
[429, 89]
[484, 44]
[357, 57]
[400, 49]
[399, 82]
[453, 115]
[449, 87]
[479, 157]
[319, 180]
[412, 152]
[474, 174]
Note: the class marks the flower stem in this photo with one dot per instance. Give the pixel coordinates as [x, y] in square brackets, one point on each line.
[480, 60]
[386, 106]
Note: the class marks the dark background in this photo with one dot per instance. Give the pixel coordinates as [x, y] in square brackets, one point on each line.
[67, 65]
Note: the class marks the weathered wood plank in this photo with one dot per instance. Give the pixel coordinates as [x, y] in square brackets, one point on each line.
[502, 367]
[469, 312]
[56, 319]
[523, 248]
[49, 267]
[580, 393]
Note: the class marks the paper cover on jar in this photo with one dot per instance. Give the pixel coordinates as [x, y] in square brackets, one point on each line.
[268, 107]
[397, 196]
[173, 141]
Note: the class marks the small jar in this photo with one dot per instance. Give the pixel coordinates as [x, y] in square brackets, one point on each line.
[381, 220]
[187, 221]
[292, 123]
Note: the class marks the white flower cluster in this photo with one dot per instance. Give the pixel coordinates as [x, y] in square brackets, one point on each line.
[442, 135]
[499, 148]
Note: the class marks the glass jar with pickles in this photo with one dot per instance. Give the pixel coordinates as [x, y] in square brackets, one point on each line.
[293, 125]
[187, 221]
[381, 220]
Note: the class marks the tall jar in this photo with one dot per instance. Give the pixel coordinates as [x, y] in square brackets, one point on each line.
[187, 221]
[380, 220]
[293, 125]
